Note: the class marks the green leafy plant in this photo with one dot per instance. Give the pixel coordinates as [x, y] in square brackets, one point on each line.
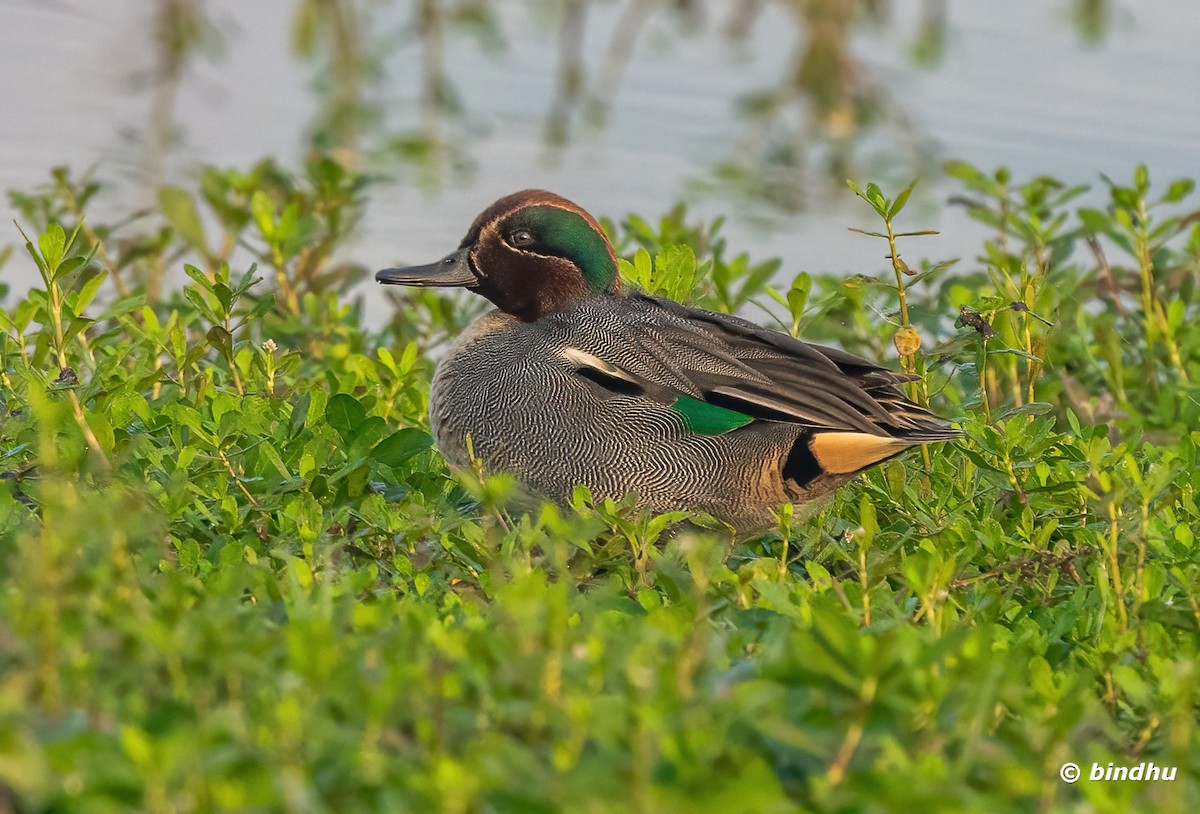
[236, 576]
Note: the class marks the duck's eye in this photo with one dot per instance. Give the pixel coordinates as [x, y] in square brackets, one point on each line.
[521, 237]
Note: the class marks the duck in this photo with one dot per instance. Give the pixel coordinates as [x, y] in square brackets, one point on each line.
[576, 379]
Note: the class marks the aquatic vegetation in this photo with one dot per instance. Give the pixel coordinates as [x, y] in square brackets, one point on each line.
[236, 574]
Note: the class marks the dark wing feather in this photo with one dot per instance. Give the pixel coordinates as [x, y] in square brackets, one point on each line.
[850, 393]
[672, 350]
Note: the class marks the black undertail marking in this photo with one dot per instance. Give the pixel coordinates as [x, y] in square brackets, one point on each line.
[801, 465]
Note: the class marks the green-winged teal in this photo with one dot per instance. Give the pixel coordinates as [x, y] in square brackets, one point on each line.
[572, 380]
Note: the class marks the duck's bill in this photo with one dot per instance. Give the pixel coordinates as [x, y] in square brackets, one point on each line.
[451, 270]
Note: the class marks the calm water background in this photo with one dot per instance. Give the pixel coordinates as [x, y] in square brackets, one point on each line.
[759, 110]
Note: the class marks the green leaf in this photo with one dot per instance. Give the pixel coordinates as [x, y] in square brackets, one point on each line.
[873, 196]
[76, 325]
[307, 516]
[102, 430]
[400, 446]
[968, 174]
[387, 360]
[126, 305]
[643, 269]
[1175, 315]
[221, 339]
[197, 300]
[1179, 190]
[299, 413]
[268, 451]
[69, 266]
[1094, 220]
[345, 414]
[357, 480]
[1032, 408]
[52, 243]
[366, 435]
[868, 520]
[901, 200]
[979, 460]
[247, 280]
[180, 211]
[83, 298]
[198, 276]
[797, 296]
[675, 272]
[124, 406]
[1126, 199]
[263, 212]
[317, 407]
[1141, 180]
[1016, 352]
[819, 575]
[264, 305]
[287, 228]
[224, 296]
[876, 198]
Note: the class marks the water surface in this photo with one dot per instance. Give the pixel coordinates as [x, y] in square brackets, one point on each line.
[756, 110]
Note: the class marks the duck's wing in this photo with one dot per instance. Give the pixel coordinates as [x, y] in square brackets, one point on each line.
[722, 372]
[847, 392]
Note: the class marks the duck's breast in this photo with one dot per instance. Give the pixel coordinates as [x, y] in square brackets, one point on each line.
[497, 387]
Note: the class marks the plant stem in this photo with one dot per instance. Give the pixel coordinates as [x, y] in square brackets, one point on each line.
[1153, 316]
[862, 578]
[1114, 513]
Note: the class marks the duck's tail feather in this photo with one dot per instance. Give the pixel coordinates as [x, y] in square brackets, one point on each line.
[845, 453]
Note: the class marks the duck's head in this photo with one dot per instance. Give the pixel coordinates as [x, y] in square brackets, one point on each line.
[531, 253]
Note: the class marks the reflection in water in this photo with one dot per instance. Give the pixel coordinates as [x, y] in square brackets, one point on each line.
[397, 84]
[435, 144]
[570, 72]
[800, 132]
[823, 105]
[180, 32]
[330, 32]
[929, 46]
[812, 118]
[348, 42]
[687, 16]
[616, 58]
[1092, 19]
[804, 130]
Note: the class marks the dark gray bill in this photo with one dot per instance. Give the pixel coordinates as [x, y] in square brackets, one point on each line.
[451, 270]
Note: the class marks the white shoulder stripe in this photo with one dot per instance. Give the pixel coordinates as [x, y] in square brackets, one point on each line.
[582, 359]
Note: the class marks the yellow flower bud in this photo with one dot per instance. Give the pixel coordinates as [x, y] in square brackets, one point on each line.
[907, 341]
